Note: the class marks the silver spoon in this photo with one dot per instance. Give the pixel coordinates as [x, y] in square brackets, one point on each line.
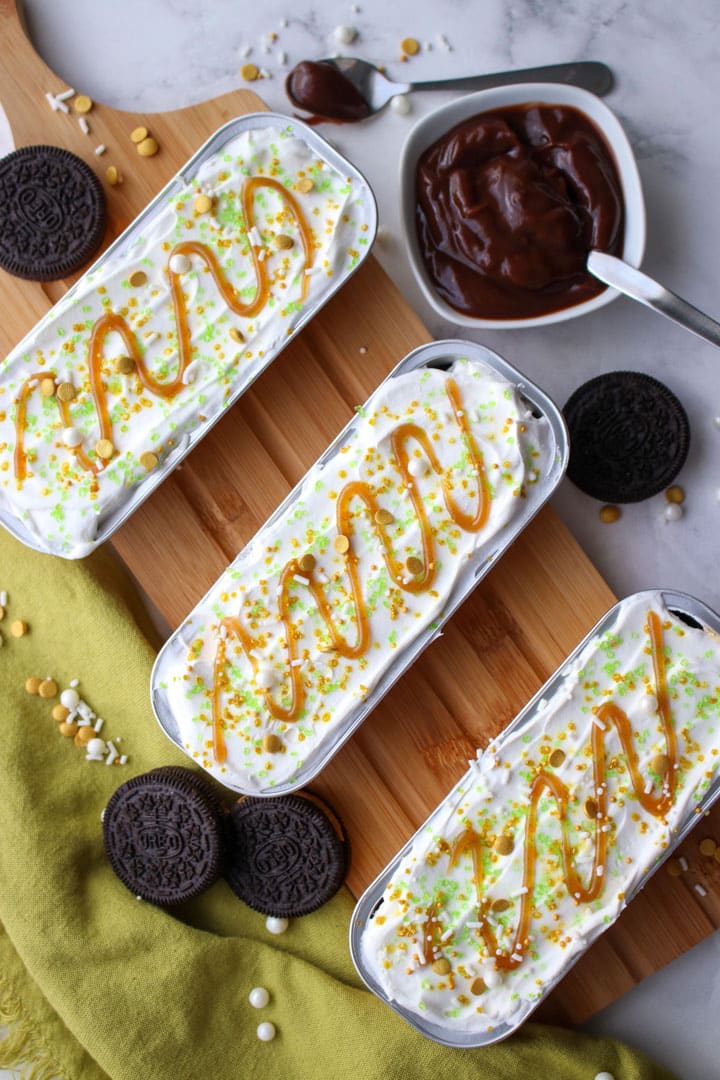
[377, 89]
[638, 286]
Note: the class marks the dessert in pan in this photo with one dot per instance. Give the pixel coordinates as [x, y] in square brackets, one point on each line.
[356, 571]
[166, 330]
[553, 829]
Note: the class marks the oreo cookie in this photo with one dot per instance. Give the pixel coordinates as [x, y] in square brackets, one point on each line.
[286, 856]
[52, 213]
[163, 835]
[629, 437]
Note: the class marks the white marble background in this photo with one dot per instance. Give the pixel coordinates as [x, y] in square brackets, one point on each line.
[666, 58]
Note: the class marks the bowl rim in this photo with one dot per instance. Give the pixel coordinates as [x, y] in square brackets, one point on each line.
[430, 128]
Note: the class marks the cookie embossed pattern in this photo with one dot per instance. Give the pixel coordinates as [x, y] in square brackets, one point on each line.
[356, 572]
[173, 323]
[553, 829]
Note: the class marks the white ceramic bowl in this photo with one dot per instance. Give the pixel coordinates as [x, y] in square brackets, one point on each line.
[438, 123]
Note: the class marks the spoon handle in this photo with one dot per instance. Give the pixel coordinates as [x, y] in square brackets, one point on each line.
[589, 74]
[638, 286]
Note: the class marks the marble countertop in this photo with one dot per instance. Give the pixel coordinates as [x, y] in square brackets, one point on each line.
[666, 59]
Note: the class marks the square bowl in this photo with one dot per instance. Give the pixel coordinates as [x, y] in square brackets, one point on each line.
[440, 121]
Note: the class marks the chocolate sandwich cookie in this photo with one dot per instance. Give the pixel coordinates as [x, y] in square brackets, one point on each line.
[286, 856]
[163, 835]
[52, 213]
[629, 437]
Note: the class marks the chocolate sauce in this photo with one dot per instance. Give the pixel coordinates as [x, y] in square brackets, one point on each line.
[321, 89]
[509, 203]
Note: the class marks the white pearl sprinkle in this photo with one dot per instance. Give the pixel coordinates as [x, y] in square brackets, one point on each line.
[401, 104]
[276, 925]
[70, 699]
[345, 35]
[673, 512]
[180, 264]
[418, 466]
[96, 747]
[266, 1032]
[72, 437]
[604, 1076]
[258, 997]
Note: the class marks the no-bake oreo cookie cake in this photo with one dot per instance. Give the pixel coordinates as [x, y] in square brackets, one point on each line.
[553, 829]
[166, 330]
[293, 637]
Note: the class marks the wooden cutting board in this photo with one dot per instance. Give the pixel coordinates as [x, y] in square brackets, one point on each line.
[506, 640]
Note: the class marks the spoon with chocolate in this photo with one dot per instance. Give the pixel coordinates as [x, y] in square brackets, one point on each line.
[345, 89]
[638, 286]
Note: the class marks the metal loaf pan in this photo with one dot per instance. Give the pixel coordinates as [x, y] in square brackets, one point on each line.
[438, 354]
[680, 604]
[116, 516]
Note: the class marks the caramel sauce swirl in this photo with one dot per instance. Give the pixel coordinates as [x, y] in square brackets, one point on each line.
[110, 323]
[655, 802]
[355, 492]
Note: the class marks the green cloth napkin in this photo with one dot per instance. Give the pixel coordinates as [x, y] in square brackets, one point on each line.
[94, 983]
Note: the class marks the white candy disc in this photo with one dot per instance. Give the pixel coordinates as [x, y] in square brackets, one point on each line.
[72, 437]
[418, 466]
[275, 925]
[70, 699]
[266, 1031]
[180, 264]
[401, 104]
[258, 997]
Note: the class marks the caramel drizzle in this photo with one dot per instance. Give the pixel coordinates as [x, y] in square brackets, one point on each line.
[112, 323]
[655, 804]
[364, 493]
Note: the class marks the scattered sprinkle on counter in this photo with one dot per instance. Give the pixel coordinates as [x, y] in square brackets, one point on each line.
[410, 46]
[401, 104]
[675, 494]
[266, 1031]
[673, 512]
[609, 514]
[148, 147]
[83, 104]
[249, 72]
[344, 34]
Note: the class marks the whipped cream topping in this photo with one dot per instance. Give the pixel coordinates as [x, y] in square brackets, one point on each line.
[293, 637]
[165, 331]
[554, 827]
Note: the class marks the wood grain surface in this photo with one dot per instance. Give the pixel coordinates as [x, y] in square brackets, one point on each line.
[531, 610]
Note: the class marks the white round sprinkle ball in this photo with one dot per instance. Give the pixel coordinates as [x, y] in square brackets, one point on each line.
[96, 747]
[401, 104]
[180, 264]
[266, 1031]
[72, 437]
[70, 699]
[345, 35]
[417, 466]
[673, 512]
[258, 997]
[264, 678]
[604, 1076]
[275, 925]
[649, 703]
